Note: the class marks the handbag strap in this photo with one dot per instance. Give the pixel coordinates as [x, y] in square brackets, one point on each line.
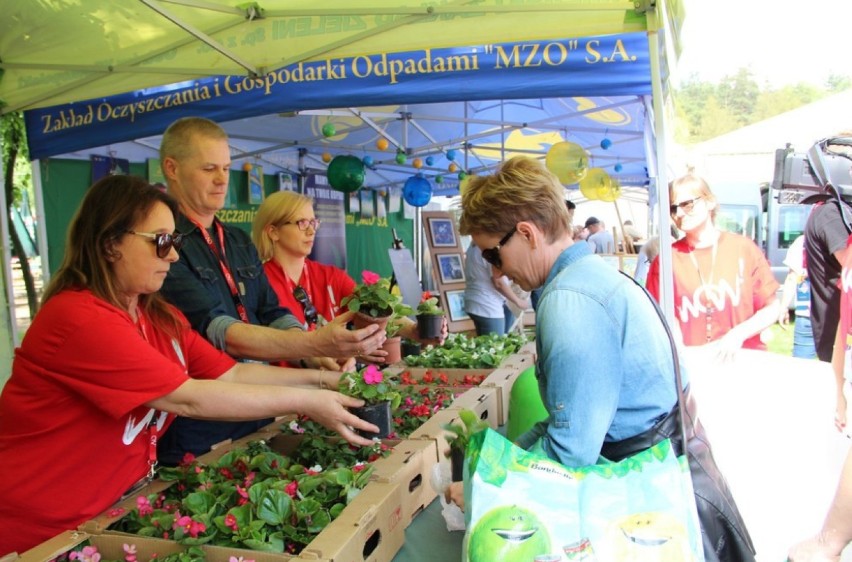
[677, 375]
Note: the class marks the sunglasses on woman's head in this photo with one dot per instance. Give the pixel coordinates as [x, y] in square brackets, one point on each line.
[301, 295]
[492, 255]
[163, 240]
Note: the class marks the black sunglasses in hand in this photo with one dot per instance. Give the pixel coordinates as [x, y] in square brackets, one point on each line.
[301, 295]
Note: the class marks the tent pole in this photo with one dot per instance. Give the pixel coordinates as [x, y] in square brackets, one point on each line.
[655, 18]
[11, 320]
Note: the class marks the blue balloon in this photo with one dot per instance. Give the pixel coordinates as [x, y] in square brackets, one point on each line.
[451, 155]
[417, 191]
[429, 160]
[618, 167]
[606, 143]
[367, 160]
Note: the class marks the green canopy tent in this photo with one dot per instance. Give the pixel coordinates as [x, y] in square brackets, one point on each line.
[57, 53]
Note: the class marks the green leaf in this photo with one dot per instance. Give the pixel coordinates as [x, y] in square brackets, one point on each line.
[274, 507]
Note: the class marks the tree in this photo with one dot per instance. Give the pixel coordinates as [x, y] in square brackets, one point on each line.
[16, 175]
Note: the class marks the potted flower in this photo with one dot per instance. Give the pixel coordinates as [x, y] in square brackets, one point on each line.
[461, 433]
[380, 394]
[393, 343]
[372, 300]
[430, 317]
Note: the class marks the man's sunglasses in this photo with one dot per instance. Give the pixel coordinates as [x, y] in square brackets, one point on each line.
[301, 295]
[163, 240]
[492, 255]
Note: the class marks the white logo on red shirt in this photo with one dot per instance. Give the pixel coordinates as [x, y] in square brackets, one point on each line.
[713, 294]
[132, 429]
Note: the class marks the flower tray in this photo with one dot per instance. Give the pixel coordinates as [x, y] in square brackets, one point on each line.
[409, 465]
[369, 529]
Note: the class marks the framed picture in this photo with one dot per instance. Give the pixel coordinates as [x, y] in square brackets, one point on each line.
[443, 234]
[455, 304]
[450, 268]
[255, 180]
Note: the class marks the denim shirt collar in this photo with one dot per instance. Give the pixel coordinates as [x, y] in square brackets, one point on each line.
[569, 256]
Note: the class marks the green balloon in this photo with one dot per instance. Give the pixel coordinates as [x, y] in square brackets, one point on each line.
[328, 130]
[346, 173]
[400, 158]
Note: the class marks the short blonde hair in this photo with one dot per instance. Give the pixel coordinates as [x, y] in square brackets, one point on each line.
[697, 184]
[522, 189]
[275, 210]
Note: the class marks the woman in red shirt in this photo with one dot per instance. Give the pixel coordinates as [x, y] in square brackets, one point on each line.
[284, 232]
[107, 364]
[724, 289]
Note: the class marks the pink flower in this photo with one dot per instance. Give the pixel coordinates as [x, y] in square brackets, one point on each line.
[144, 506]
[231, 522]
[292, 488]
[129, 552]
[369, 277]
[243, 493]
[115, 512]
[189, 527]
[372, 375]
[88, 554]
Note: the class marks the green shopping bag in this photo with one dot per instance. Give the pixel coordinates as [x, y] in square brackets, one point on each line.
[524, 507]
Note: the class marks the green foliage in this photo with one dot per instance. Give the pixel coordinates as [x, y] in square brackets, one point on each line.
[16, 155]
[429, 305]
[705, 110]
[460, 433]
[462, 352]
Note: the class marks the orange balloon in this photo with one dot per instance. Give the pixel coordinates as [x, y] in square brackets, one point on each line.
[382, 144]
[326, 157]
[247, 167]
[417, 163]
[452, 167]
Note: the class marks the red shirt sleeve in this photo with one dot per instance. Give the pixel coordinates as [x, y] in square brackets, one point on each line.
[652, 282]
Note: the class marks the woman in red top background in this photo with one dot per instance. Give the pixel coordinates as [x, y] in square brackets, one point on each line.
[284, 231]
[107, 364]
[724, 289]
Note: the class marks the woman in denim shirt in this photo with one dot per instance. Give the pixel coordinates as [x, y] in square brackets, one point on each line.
[604, 367]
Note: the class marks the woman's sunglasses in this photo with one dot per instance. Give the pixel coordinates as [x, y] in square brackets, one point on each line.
[492, 255]
[301, 295]
[163, 240]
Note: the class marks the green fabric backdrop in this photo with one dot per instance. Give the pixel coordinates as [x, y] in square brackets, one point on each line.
[65, 182]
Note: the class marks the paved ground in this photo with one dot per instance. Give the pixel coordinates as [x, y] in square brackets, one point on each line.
[770, 421]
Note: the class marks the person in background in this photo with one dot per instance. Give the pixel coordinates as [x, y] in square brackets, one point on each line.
[797, 287]
[220, 286]
[724, 289]
[600, 239]
[107, 364]
[836, 531]
[485, 294]
[647, 255]
[284, 231]
[605, 366]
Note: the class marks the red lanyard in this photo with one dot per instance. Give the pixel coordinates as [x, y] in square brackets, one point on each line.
[153, 430]
[226, 271]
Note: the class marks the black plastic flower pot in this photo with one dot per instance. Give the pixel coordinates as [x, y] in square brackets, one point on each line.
[410, 347]
[378, 414]
[429, 326]
[457, 465]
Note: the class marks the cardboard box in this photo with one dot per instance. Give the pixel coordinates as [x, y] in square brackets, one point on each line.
[370, 529]
[482, 400]
[502, 380]
[109, 546]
